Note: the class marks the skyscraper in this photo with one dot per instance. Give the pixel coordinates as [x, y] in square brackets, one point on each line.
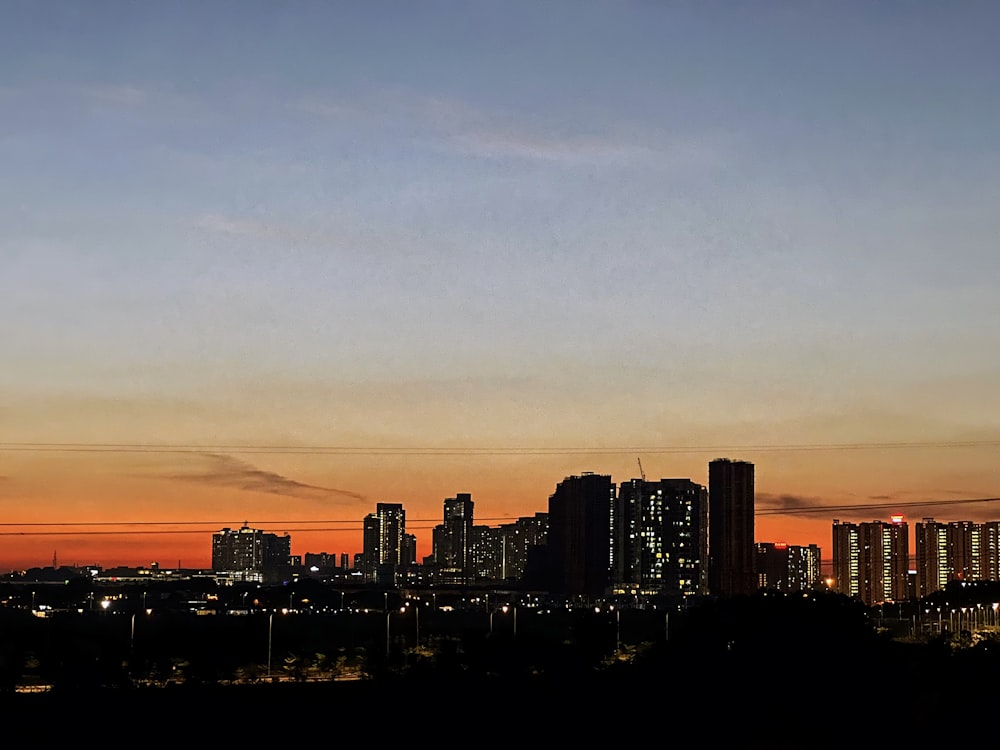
[933, 573]
[247, 554]
[871, 560]
[385, 546]
[659, 537]
[955, 551]
[788, 567]
[579, 555]
[731, 551]
[846, 558]
[520, 540]
[453, 541]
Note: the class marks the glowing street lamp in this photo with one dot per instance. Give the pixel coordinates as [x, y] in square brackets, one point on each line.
[270, 628]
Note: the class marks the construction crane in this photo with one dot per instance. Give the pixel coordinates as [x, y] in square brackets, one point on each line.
[641, 472]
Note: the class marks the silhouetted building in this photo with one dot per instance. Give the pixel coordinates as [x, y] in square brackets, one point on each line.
[487, 554]
[871, 560]
[385, 547]
[579, 538]
[788, 567]
[519, 539]
[660, 537]
[452, 541]
[731, 551]
[247, 554]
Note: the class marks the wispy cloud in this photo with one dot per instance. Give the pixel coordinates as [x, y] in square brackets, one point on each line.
[242, 227]
[789, 503]
[122, 95]
[463, 128]
[285, 233]
[226, 471]
[951, 504]
[569, 148]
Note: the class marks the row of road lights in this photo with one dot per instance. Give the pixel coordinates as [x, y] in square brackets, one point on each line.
[973, 616]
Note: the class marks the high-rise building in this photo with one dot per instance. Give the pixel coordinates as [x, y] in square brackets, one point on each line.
[990, 550]
[788, 567]
[931, 541]
[453, 541]
[487, 553]
[871, 560]
[731, 551]
[579, 554]
[846, 558]
[520, 539]
[955, 551]
[660, 537]
[385, 547]
[247, 554]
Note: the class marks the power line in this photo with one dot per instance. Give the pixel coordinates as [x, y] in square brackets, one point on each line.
[49, 447]
[101, 528]
[278, 522]
[871, 506]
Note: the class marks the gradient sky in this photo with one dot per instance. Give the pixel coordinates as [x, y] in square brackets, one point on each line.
[481, 246]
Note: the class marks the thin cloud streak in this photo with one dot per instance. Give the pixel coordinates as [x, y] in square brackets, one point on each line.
[506, 135]
[226, 471]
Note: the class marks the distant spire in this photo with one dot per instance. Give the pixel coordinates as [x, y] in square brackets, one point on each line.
[55, 561]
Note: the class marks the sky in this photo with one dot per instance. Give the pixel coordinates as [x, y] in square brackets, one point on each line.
[277, 262]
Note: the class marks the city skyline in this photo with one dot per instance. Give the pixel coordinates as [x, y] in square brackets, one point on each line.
[284, 263]
[318, 532]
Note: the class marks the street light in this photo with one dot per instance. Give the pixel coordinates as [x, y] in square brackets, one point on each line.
[416, 611]
[270, 627]
[618, 630]
[513, 610]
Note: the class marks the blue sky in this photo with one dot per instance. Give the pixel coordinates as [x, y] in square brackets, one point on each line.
[473, 223]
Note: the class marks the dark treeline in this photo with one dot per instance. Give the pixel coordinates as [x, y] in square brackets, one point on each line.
[774, 666]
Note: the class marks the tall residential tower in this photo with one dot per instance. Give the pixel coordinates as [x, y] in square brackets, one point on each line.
[731, 550]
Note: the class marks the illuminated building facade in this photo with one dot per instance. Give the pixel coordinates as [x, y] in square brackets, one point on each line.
[660, 537]
[453, 541]
[871, 560]
[956, 551]
[846, 558]
[788, 567]
[520, 540]
[247, 554]
[386, 549]
[931, 541]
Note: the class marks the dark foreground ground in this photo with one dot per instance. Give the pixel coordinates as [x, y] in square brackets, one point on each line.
[870, 709]
[754, 673]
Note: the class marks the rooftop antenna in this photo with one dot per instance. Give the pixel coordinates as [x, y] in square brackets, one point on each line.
[641, 472]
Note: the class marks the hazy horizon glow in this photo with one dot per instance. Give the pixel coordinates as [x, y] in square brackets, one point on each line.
[577, 226]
